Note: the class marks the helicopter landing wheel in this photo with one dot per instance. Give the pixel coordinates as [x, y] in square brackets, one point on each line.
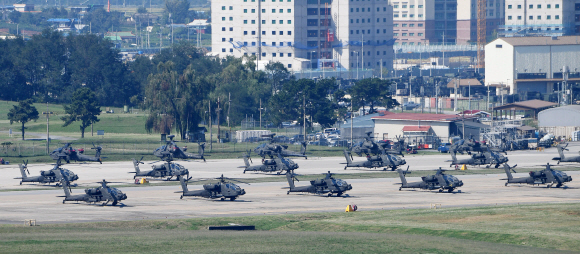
[223, 199]
[440, 190]
[338, 194]
[384, 169]
[181, 197]
[458, 191]
[63, 201]
[450, 191]
[558, 185]
[20, 182]
[232, 199]
[506, 184]
[400, 188]
[288, 193]
[392, 169]
[329, 194]
[344, 168]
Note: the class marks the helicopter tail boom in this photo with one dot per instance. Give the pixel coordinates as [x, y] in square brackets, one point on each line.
[23, 170]
[402, 176]
[183, 183]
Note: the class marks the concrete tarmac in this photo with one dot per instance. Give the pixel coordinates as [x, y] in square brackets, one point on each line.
[160, 202]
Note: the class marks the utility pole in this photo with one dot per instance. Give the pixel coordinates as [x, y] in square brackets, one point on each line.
[260, 113]
[47, 134]
[455, 101]
[218, 119]
[469, 84]
[351, 124]
[210, 128]
[304, 112]
[363, 51]
[229, 106]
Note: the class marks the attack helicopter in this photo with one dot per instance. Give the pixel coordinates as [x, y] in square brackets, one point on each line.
[439, 181]
[221, 190]
[385, 160]
[277, 165]
[103, 193]
[470, 146]
[273, 148]
[546, 176]
[563, 158]
[370, 147]
[49, 176]
[485, 158]
[171, 151]
[167, 169]
[326, 185]
[68, 153]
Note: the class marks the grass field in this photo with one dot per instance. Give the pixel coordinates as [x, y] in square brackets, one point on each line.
[495, 229]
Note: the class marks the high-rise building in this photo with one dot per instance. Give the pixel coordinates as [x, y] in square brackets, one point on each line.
[418, 22]
[541, 17]
[305, 33]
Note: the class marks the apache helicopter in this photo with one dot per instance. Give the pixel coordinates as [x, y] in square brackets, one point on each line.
[50, 176]
[562, 158]
[222, 189]
[167, 169]
[384, 161]
[470, 145]
[274, 148]
[546, 176]
[67, 153]
[278, 164]
[439, 181]
[171, 151]
[370, 147]
[484, 158]
[328, 185]
[94, 195]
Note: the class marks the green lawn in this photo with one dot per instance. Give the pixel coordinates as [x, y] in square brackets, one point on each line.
[495, 229]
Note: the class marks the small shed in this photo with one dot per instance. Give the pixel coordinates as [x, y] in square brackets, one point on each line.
[533, 106]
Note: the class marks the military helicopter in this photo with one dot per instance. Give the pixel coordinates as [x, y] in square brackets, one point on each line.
[368, 146]
[562, 158]
[171, 151]
[278, 164]
[68, 153]
[273, 148]
[167, 169]
[546, 176]
[439, 181]
[221, 190]
[94, 195]
[384, 161]
[326, 185]
[49, 176]
[470, 145]
[483, 158]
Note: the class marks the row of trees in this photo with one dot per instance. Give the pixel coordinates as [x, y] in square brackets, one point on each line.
[176, 86]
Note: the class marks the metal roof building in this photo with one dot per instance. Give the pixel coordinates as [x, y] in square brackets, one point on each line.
[560, 121]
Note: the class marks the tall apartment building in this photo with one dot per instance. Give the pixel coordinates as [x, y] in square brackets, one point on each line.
[541, 17]
[418, 22]
[328, 33]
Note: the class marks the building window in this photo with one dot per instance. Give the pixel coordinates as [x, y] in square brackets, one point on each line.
[263, 32]
[289, 22]
[404, 15]
[395, 34]
[557, 17]
[411, 25]
[281, 33]
[404, 34]
[396, 15]
[312, 33]
[223, 29]
[273, 32]
[509, 17]
[223, 50]
[531, 6]
[245, 32]
[531, 17]
[289, 10]
[411, 15]
[231, 39]
[231, 29]
[263, 54]
[223, 39]
[289, 55]
[273, 10]
[253, 22]
[253, 43]
[273, 54]
[411, 34]
[351, 21]
[420, 25]
[404, 6]
[231, 19]
[245, 10]
[378, 31]
[273, 22]
[539, 17]
[231, 8]
[263, 22]
[519, 17]
[223, 18]
[519, 6]
[245, 21]
[396, 6]
[231, 50]
[289, 65]
[263, 10]
[281, 54]
[223, 9]
[253, 32]
[404, 25]
[273, 43]
[557, 6]
[420, 34]
[253, 10]
[357, 31]
[539, 6]
[289, 44]
[411, 6]
[289, 33]
[509, 6]
[549, 6]
[549, 17]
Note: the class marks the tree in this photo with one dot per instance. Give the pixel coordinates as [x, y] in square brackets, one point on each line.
[178, 9]
[372, 92]
[141, 9]
[23, 113]
[83, 107]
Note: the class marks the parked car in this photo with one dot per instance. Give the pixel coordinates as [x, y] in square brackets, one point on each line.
[410, 105]
[444, 148]
[321, 142]
[297, 138]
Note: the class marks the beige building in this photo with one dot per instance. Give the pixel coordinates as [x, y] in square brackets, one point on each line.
[300, 34]
[540, 17]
